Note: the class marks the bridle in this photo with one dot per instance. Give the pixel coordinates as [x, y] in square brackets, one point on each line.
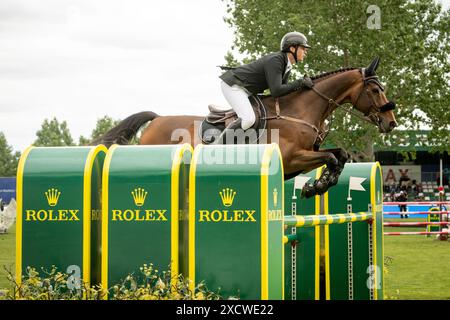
[373, 113]
[371, 116]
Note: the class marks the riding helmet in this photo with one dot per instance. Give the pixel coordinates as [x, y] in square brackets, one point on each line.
[293, 39]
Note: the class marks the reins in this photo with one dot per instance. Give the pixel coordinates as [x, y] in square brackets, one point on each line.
[330, 103]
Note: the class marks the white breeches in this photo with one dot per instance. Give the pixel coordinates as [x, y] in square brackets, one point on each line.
[237, 98]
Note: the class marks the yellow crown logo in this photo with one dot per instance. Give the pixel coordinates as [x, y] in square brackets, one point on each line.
[227, 196]
[139, 195]
[52, 196]
[275, 197]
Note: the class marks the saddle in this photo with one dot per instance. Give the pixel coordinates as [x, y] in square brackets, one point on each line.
[217, 115]
[218, 119]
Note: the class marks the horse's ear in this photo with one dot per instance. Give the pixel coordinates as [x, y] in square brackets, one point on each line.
[370, 71]
[376, 64]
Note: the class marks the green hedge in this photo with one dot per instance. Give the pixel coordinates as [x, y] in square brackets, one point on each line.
[150, 284]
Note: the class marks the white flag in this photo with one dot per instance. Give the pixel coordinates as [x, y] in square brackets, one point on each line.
[299, 183]
[355, 184]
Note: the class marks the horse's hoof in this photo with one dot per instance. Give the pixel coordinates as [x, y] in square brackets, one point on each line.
[333, 181]
[308, 191]
[321, 187]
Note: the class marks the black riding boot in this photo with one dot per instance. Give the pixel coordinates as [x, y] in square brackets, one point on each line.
[236, 124]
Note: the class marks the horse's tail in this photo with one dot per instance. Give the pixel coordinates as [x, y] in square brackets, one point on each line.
[125, 130]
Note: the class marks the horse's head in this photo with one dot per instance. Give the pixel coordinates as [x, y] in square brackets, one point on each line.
[368, 97]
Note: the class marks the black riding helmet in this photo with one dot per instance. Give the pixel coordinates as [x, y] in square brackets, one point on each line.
[293, 39]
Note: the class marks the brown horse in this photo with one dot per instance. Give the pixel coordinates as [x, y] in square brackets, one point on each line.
[300, 123]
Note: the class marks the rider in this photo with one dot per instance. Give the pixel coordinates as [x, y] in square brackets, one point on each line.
[271, 71]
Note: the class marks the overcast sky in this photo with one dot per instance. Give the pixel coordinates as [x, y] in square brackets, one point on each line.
[80, 60]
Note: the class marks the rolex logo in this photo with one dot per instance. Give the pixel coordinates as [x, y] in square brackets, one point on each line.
[227, 196]
[275, 197]
[52, 196]
[139, 195]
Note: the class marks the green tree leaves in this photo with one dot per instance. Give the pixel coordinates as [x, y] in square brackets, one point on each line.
[413, 43]
[103, 125]
[53, 133]
[8, 158]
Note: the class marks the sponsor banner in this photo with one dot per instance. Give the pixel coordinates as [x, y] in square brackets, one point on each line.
[401, 174]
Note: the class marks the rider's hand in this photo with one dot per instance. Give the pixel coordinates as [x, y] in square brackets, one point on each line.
[307, 82]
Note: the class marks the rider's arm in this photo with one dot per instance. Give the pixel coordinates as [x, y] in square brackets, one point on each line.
[274, 70]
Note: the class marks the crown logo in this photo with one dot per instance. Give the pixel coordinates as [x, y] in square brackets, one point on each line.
[52, 196]
[139, 195]
[275, 196]
[227, 196]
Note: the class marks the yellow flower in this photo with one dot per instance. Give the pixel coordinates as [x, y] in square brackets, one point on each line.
[176, 296]
[35, 282]
[160, 285]
[199, 296]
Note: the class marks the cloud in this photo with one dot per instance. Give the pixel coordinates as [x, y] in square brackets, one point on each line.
[81, 60]
[20, 11]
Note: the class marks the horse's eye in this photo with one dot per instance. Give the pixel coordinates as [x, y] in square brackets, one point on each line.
[376, 91]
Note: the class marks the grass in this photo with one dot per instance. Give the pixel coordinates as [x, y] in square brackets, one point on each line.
[416, 267]
[7, 255]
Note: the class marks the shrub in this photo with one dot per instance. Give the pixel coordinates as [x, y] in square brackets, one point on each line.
[148, 285]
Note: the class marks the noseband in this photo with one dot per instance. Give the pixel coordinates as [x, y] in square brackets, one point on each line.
[374, 111]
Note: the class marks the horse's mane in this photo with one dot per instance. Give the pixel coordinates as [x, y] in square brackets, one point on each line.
[329, 73]
[317, 77]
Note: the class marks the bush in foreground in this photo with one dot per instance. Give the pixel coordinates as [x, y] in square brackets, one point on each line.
[148, 285]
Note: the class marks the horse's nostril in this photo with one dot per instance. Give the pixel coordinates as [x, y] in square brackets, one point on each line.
[392, 124]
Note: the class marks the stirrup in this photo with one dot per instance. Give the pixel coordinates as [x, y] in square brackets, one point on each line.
[236, 124]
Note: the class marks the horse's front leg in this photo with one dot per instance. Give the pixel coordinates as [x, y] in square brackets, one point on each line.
[306, 160]
[342, 157]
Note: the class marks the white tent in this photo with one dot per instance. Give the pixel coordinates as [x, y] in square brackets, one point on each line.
[8, 216]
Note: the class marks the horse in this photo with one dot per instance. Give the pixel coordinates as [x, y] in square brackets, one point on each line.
[301, 123]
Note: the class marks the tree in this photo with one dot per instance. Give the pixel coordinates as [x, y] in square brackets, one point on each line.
[53, 133]
[82, 141]
[103, 124]
[8, 158]
[412, 39]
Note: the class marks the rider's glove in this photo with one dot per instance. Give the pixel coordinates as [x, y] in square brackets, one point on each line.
[306, 82]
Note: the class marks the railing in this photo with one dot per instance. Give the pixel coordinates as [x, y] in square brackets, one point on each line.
[416, 203]
[317, 220]
[439, 205]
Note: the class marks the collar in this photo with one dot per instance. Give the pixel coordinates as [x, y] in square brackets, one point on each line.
[288, 65]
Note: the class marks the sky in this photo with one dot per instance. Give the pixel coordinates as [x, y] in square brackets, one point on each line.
[79, 60]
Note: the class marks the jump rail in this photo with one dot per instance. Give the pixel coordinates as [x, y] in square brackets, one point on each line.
[425, 233]
[415, 203]
[414, 224]
[415, 212]
[316, 220]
